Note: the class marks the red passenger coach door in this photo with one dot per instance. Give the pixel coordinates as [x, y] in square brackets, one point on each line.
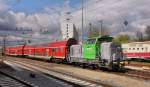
[47, 52]
[53, 50]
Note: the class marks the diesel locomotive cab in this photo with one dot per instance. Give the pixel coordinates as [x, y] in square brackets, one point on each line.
[103, 52]
[91, 48]
[111, 55]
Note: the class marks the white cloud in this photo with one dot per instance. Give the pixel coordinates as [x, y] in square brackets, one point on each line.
[115, 12]
[3, 7]
[36, 21]
[112, 12]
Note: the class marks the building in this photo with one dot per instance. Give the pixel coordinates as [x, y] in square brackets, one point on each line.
[68, 29]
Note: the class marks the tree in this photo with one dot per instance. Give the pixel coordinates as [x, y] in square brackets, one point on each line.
[95, 31]
[122, 39]
[147, 32]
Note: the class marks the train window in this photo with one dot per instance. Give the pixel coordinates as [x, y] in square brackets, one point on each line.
[56, 49]
[47, 51]
[61, 50]
[71, 52]
[36, 53]
[30, 51]
[142, 48]
[137, 48]
[129, 48]
[40, 53]
[33, 53]
[146, 49]
[133, 48]
[91, 41]
[53, 50]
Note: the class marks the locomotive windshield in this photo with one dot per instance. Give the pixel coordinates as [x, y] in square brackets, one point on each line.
[91, 41]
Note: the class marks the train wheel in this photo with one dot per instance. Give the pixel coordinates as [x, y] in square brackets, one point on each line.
[93, 67]
[83, 65]
[75, 64]
[50, 60]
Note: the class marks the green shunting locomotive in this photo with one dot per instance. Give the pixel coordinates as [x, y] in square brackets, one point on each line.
[98, 52]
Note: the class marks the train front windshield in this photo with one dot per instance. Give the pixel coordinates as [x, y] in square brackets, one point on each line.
[91, 41]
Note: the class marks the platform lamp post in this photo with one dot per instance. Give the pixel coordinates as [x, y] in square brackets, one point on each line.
[125, 23]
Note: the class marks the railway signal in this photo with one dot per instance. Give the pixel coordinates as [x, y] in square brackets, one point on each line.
[125, 22]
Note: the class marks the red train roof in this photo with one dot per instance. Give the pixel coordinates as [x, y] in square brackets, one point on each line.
[28, 46]
[58, 43]
[51, 44]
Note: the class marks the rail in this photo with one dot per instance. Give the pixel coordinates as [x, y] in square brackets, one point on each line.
[12, 81]
[61, 75]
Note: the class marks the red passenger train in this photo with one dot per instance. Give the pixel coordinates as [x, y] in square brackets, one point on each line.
[64, 51]
[53, 50]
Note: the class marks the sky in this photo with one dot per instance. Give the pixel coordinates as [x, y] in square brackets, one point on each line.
[31, 6]
[44, 15]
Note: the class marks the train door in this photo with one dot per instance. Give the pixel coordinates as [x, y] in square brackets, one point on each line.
[47, 52]
[53, 50]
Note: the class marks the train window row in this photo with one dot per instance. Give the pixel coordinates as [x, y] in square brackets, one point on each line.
[58, 50]
[37, 52]
[55, 50]
[136, 49]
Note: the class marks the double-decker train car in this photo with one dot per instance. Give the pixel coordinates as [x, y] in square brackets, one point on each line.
[11, 51]
[137, 50]
[18, 50]
[53, 50]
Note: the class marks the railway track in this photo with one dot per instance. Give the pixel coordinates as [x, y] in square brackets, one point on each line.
[7, 80]
[139, 74]
[129, 73]
[83, 82]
